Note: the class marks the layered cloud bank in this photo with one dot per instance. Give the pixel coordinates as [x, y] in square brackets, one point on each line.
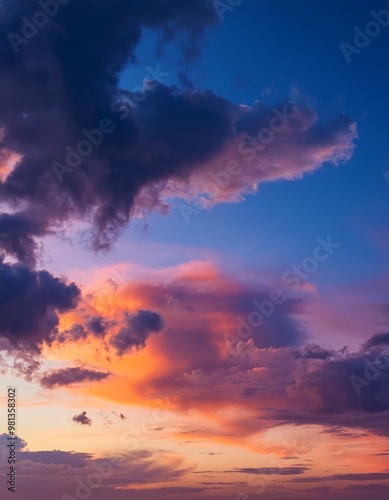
[186, 335]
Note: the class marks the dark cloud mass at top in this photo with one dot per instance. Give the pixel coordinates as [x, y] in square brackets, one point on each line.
[65, 80]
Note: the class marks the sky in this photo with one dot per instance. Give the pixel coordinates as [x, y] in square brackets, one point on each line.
[194, 208]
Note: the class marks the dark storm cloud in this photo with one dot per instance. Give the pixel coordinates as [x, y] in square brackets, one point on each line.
[377, 340]
[21, 229]
[65, 80]
[69, 376]
[139, 327]
[29, 305]
[82, 419]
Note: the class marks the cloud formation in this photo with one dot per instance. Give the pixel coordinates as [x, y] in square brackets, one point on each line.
[378, 339]
[30, 302]
[82, 419]
[70, 376]
[163, 142]
[21, 231]
[139, 326]
[275, 375]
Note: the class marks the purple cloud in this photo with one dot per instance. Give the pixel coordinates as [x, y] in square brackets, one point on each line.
[70, 376]
[139, 327]
[30, 302]
[82, 419]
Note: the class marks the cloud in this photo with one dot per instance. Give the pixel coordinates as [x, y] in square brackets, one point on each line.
[328, 388]
[94, 326]
[82, 419]
[70, 376]
[97, 325]
[275, 377]
[74, 334]
[116, 470]
[377, 340]
[139, 326]
[30, 302]
[26, 364]
[72, 86]
[20, 443]
[314, 351]
[288, 471]
[120, 473]
[120, 415]
[363, 476]
[21, 229]
[257, 154]
[58, 457]
[164, 142]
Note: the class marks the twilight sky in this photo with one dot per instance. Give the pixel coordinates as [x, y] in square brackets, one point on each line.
[194, 208]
